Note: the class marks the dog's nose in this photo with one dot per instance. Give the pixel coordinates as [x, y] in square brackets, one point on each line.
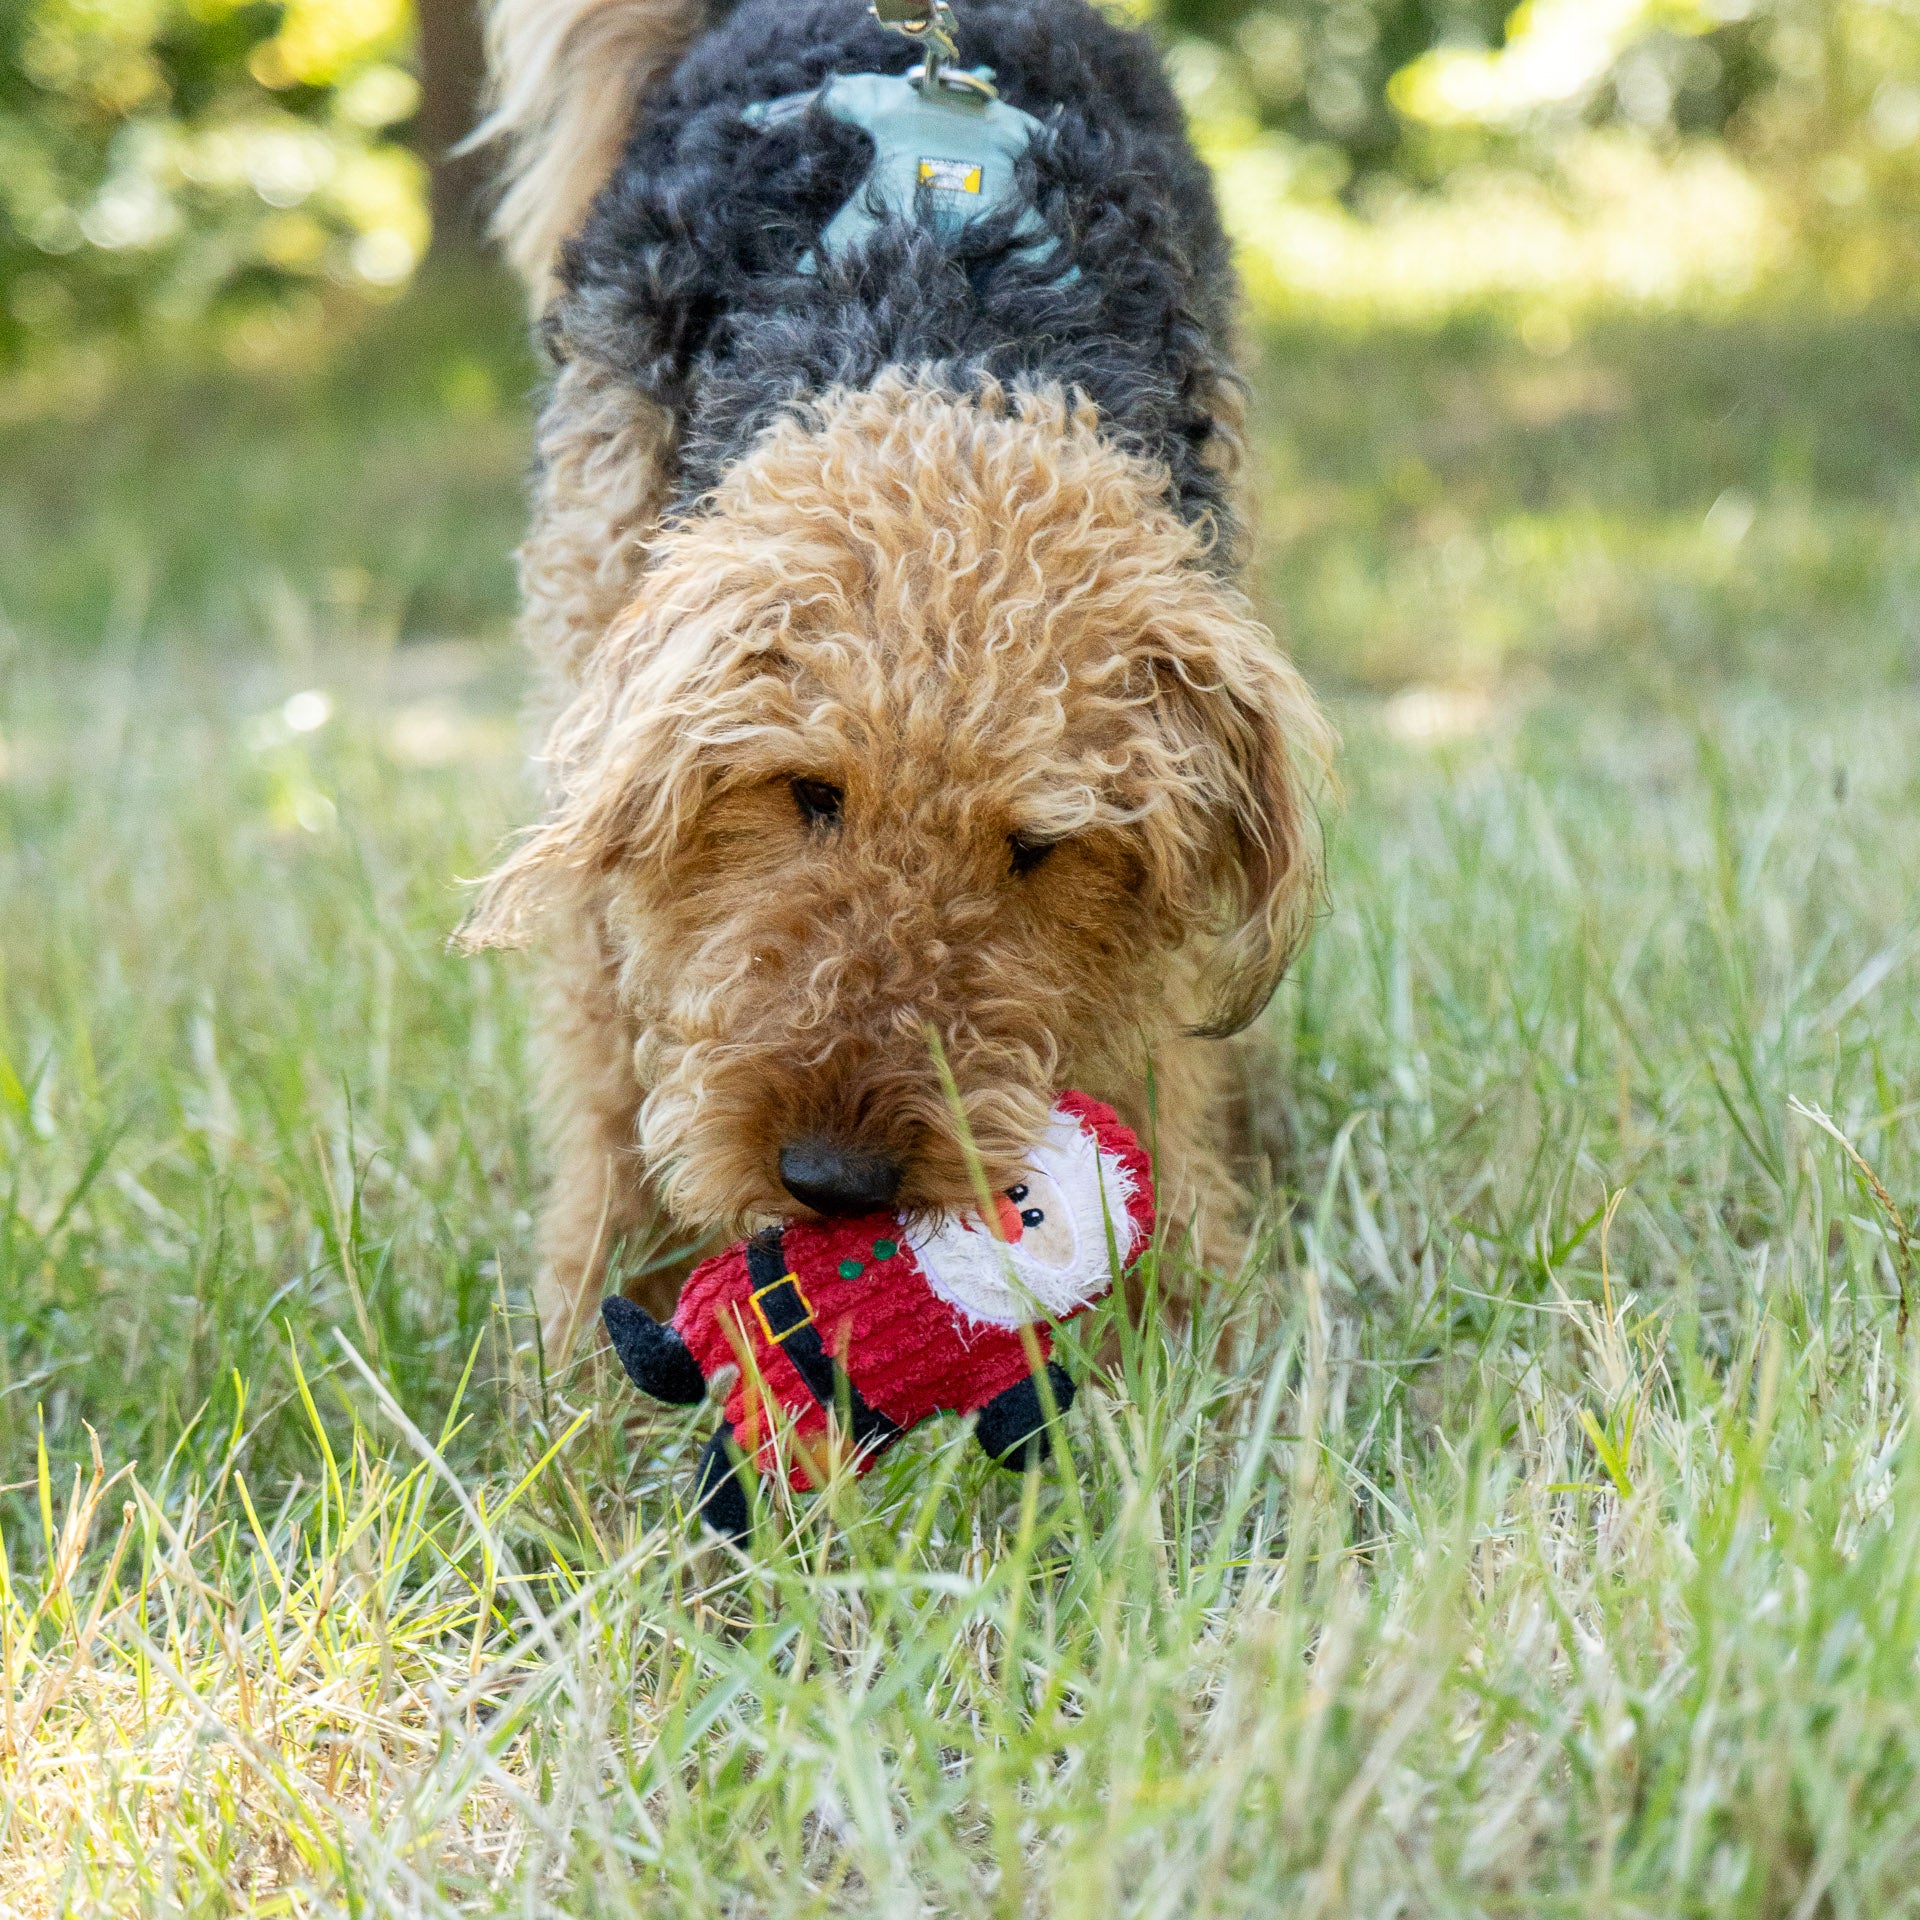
[844, 1182]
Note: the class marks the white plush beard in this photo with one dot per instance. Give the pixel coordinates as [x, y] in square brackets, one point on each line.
[1059, 1262]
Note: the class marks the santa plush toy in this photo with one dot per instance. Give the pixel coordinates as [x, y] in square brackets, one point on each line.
[852, 1331]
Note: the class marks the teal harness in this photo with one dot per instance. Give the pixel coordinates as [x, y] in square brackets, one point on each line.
[947, 154]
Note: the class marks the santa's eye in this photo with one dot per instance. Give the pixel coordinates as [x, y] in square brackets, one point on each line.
[1033, 1217]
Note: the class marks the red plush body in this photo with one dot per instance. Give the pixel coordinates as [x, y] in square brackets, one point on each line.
[910, 1352]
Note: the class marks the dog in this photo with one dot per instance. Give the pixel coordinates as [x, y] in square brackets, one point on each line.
[912, 750]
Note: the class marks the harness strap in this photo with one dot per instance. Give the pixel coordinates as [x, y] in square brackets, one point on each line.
[945, 155]
[786, 1315]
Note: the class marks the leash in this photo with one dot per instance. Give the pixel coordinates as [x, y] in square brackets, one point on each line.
[939, 36]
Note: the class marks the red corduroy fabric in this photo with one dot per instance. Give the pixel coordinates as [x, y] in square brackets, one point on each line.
[909, 1352]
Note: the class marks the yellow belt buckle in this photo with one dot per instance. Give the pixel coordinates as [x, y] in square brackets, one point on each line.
[773, 1286]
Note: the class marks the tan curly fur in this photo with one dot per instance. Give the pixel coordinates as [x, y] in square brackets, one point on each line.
[602, 483]
[566, 75]
[980, 620]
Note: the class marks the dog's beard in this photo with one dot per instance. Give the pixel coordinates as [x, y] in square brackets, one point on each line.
[718, 1112]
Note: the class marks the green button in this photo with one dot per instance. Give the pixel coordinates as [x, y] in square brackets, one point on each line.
[885, 1249]
[852, 1269]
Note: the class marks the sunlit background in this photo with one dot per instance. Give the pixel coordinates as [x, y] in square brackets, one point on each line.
[244, 166]
[1579, 332]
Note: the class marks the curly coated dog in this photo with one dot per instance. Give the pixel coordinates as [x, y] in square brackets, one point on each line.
[913, 752]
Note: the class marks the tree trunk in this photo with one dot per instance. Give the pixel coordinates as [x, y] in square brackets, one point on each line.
[452, 76]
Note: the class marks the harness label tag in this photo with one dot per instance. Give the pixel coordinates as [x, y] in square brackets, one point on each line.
[951, 176]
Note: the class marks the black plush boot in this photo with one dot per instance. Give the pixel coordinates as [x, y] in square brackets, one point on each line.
[719, 1492]
[655, 1357]
[1013, 1426]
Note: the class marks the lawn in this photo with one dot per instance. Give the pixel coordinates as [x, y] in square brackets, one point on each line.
[1533, 1528]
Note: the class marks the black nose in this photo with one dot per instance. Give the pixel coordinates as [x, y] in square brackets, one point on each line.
[842, 1181]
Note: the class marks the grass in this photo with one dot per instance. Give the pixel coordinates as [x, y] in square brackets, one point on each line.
[1535, 1527]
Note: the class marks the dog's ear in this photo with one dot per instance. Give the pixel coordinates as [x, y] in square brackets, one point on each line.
[583, 837]
[692, 686]
[1252, 752]
[631, 761]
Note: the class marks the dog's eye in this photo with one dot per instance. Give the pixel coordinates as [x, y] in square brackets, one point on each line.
[819, 802]
[1028, 852]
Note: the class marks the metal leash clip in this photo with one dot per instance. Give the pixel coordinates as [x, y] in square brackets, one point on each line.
[932, 25]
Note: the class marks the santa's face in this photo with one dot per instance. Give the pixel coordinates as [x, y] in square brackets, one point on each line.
[1045, 1252]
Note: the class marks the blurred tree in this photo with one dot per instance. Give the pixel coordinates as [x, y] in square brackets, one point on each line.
[170, 163]
[170, 166]
[1367, 79]
[453, 70]
[1819, 100]
[1320, 70]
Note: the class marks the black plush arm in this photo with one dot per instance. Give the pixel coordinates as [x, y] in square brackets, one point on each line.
[1013, 1425]
[655, 1357]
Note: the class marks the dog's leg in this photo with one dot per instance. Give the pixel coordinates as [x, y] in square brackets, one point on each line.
[599, 1197]
[604, 474]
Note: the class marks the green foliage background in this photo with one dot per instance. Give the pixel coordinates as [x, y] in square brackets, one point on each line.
[1325, 71]
[235, 167]
[169, 165]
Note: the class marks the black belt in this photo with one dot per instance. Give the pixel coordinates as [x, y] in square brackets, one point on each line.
[787, 1317]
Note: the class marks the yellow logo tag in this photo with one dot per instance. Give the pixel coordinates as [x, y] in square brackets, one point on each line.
[950, 176]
